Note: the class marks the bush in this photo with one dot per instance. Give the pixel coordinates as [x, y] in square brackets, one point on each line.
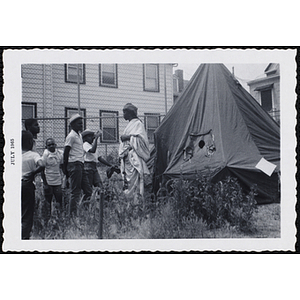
[215, 203]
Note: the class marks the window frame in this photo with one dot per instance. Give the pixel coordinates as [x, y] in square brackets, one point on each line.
[117, 126]
[83, 81]
[157, 88]
[115, 77]
[34, 105]
[146, 115]
[67, 125]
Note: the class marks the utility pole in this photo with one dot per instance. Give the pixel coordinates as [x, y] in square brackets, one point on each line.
[166, 100]
[78, 87]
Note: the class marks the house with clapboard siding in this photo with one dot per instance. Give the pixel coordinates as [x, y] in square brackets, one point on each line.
[266, 90]
[51, 92]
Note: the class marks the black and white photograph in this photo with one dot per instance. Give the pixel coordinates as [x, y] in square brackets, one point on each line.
[149, 150]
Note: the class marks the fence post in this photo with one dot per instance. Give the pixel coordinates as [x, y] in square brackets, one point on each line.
[100, 231]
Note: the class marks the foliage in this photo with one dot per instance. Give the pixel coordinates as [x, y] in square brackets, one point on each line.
[181, 209]
[113, 157]
[215, 203]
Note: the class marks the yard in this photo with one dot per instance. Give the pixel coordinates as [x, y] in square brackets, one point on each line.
[169, 216]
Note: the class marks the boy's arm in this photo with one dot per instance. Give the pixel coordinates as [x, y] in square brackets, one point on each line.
[30, 176]
[102, 160]
[44, 177]
[94, 145]
[66, 160]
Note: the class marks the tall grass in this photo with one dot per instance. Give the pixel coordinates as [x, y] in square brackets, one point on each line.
[182, 209]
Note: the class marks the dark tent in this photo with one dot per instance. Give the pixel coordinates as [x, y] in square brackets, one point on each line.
[216, 127]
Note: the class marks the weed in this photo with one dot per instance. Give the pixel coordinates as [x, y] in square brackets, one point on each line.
[181, 209]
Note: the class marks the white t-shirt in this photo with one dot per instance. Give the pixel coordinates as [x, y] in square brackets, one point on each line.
[88, 157]
[52, 161]
[74, 140]
[29, 162]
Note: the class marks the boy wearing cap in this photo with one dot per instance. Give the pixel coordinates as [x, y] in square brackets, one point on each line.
[90, 158]
[73, 160]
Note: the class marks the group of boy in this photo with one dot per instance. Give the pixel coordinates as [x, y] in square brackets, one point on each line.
[78, 163]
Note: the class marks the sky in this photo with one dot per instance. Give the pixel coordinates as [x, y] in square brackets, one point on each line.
[243, 72]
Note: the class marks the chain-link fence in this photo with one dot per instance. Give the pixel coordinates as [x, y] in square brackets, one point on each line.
[112, 127]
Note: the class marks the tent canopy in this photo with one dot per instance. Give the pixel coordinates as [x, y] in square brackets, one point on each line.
[216, 125]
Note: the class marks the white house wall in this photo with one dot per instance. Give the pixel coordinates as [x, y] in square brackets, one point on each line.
[46, 86]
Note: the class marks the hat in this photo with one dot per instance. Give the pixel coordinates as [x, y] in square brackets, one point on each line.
[87, 132]
[131, 107]
[75, 117]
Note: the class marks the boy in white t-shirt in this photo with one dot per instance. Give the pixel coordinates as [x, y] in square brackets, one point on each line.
[91, 158]
[73, 160]
[52, 177]
[31, 165]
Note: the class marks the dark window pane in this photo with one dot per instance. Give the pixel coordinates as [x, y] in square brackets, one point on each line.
[27, 111]
[152, 122]
[109, 126]
[108, 78]
[109, 134]
[266, 99]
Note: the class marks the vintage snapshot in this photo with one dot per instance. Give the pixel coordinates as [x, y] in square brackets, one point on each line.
[149, 150]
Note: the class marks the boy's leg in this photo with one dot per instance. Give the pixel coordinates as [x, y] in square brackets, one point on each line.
[28, 200]
[89, 172]
[86, 186]
[48, 193]
[75, 172]
[57, 191]
[46, 205]
[96, 178]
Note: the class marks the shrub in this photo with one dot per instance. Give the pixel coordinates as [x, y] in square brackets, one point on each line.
[113, 157]
[215, 203]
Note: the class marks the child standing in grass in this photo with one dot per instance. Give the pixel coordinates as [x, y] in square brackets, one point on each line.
[90, 159]
[73, 159]
[31, 165]
[52, 179]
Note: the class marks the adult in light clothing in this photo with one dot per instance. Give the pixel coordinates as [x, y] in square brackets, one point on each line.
[73, 164]
[134, 152]
[52, 177]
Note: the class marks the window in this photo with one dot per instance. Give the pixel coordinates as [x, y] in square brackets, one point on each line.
[109, 124]
[28, 110]
[151, 78]
[152, 121]
[108, 75]
[70, 112]
[71, 73]
[266, 99]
